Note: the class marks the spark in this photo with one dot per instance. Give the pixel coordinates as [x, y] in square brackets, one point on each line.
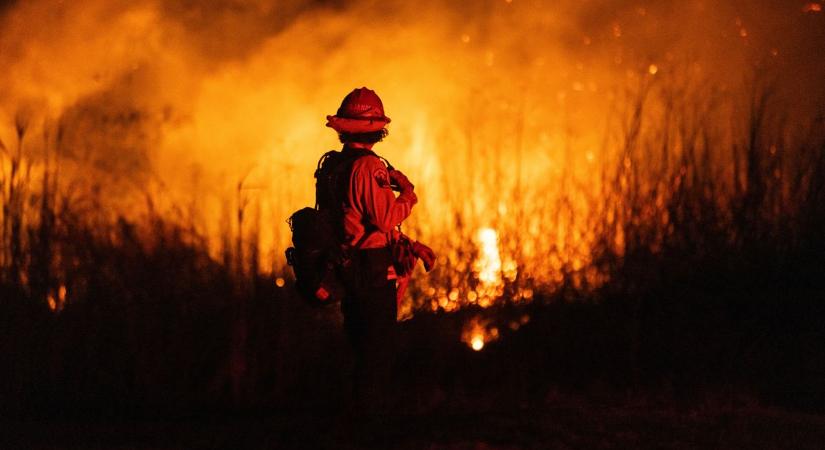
[279, 282]
[652, 69]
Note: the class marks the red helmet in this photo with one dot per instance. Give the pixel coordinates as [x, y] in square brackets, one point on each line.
[360, 112]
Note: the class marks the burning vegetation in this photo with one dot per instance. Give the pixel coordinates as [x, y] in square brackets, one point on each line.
[573, 152]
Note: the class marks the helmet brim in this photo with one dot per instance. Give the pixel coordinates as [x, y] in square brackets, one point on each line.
[349, 125]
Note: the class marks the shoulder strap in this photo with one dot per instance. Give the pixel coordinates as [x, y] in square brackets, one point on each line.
[386, 163]
[322, 179]
[360, 242]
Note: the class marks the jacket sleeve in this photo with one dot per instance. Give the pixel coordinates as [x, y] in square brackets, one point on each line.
[370, 194]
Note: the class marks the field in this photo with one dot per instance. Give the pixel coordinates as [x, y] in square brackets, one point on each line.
[629, 223]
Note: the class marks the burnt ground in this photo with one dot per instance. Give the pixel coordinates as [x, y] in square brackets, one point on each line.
[564, 423]
[731, 363]
[560, 381]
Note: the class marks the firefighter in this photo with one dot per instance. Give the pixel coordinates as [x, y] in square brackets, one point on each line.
[371, 213]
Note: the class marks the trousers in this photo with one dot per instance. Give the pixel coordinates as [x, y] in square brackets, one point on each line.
[369, 309]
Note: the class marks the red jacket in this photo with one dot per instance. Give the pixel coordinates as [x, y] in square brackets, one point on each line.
[373, 205]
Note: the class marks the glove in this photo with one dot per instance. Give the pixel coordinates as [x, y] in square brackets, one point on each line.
[399, 179]
[425, 254]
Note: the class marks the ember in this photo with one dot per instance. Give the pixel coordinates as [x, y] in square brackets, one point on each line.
[812, 7]
[478, 332]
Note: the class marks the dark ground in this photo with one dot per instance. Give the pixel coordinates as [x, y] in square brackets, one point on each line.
[575, 376]
[562, 423]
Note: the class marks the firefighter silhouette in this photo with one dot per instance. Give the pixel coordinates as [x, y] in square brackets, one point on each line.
[371, 214]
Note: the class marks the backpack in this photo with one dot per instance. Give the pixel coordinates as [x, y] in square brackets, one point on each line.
[320, 253]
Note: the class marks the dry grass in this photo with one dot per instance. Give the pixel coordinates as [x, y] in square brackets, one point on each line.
[696, 259]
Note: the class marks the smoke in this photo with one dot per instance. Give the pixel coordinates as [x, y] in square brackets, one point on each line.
[205, 103]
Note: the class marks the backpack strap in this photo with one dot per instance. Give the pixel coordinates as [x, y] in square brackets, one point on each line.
[357, 245]
[386, 163]
[328, 156]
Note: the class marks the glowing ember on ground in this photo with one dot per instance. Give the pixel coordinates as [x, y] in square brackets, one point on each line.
[812, 7]
[477, 343]
[56, 302]
[476, 333]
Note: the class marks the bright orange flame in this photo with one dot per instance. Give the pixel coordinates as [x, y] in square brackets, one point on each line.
[489, 262]
[488, 266]
[513, 134]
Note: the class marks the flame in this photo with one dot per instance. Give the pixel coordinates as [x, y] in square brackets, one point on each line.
[489, 261]
[488, 266]
[506, 116]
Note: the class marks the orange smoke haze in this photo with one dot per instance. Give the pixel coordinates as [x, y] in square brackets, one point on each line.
[504, 112]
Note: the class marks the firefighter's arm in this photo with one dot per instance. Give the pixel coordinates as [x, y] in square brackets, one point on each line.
[421, 251]
[371, 181]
